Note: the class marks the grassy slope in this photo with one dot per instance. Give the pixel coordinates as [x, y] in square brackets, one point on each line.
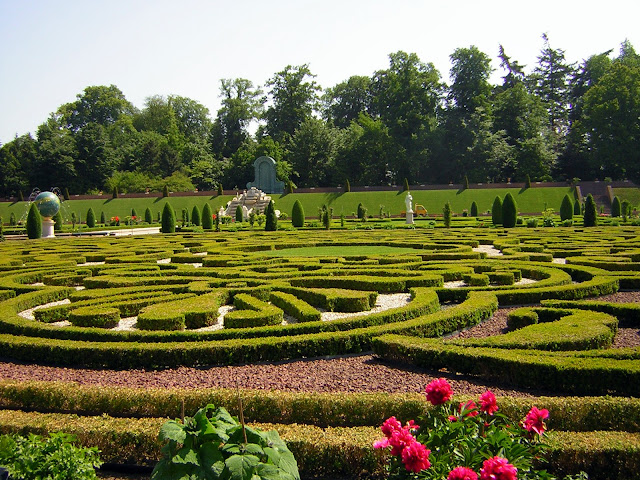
[529, 201]
[630, 194]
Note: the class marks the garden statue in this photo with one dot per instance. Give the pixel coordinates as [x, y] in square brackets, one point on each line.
[408, 208]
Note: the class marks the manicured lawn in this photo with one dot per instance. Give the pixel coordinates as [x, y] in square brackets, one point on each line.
[630, 194]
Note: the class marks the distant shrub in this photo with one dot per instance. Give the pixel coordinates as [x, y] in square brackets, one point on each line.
[195, 215]
[474, 209]
[496, 211]
[347, 186]
[446, 215]
[271, 221]
[532, 222]
[362, 212]
[103, 218]
[615, 207]
[220, 190]
[168, 219]
[590, 212]
[114, 194]
[576, 208]
[406, 185]
[165, 191]
[147, 215]
[297, 214]
[91, 218]
[465, 183]
[239, 216]
[527, 183]
[509, 211]
[566, 208]
[12, 219]
[34, 222]
[207, 217]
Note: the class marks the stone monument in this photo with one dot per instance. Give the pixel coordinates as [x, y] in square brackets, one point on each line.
[408, 208]
[265, 176]
[48, 205]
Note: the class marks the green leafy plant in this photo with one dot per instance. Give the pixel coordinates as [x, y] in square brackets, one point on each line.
[446, 215]
[214, 445]
[47, 458]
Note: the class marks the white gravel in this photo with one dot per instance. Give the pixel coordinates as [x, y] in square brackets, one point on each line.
[490, 250]
[28, 314]
[383, 302]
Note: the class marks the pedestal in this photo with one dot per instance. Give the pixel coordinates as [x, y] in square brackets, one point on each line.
[47, 228]
[409, 217]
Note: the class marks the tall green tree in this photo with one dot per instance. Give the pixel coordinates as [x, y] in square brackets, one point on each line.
[406, 97]
[312, 153]
[345, 102]
[100, 104]
[168, 219]
[590, 212]
[207, 217]
[17, 160]
[294, 96]
[509, 211]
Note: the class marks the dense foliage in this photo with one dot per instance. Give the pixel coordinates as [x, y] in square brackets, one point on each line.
[168, 219]
[297, 214]
[402, 125]
[509, 211]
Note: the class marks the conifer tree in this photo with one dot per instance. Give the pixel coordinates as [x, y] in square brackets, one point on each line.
[207, 217]
[446, 215]
[271, 224]
[91, 218]
[148, 217]
[566, 208]
[496, 211]
[615, 207]
[195, 216]
[474, 209]
[34, 222]
[168, 219]
[297, 214]
[509, 211]
[590, 212]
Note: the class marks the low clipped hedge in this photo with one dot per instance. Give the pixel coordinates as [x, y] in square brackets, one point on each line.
[192, 312]
[334, 299]
[252, 312]
[100, 317]
[291, 305]
[590, 372]
[363, 282]
[629, 312]
[476, 279]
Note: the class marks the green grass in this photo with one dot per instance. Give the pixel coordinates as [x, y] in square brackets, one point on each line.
[630, 194]
[529, 201]
[340, 251]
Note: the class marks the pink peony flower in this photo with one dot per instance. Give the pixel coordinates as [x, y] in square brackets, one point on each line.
[438, 391]
[399, 440]
[462, 473]
[498, 468]
[383, 443]
[470, 405]
[488, 402]
[416, 457]
[390, 425]
[534, 421]
[453, 418]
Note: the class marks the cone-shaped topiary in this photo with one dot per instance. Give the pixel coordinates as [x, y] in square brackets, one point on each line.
[103, 218]
[362, 212]
[566, 208]
[271, 224]
[576, 208]
[465, 183]
[168, 219]
[474, 209]
[509, 211]
[496, 211]
[115, 192]
[91, 218]
[406, 185]
[207, 217]
[57, 227]
[297, 214]
[65, 195]
[34, 222]
[133, 212]
[616, 207]
[220, 190]
[590, 212]
[165, 191]
[239, 214]
[347, 186]
[148, 217]
[527, 183]
[195, 215]
[446, 215]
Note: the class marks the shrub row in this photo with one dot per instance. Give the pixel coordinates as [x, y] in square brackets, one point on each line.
[327, 452]
[334, 299]
[594, 372]
[298, 309]
[193, 312]
[100, 317]
[362, 282]
[629, 312]
[252, 312]
[580, 330]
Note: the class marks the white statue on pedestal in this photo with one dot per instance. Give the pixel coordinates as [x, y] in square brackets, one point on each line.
[408, 208]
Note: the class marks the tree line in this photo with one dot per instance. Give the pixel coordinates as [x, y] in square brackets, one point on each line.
[556, 122]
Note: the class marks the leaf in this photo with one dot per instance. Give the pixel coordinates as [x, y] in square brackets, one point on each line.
[186, 455]
[267, 472]
[172, 430]
[272, 454]
[241, 467]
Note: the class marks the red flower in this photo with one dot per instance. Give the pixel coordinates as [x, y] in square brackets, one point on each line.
[498, 468]
[399, 440]
[462, 473]
[488, 402]
[438, 391]
[470, 405]
[389, 426]
[534, 421]
[416, 457]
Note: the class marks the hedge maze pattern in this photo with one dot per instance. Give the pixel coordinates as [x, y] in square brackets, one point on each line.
[188, 299]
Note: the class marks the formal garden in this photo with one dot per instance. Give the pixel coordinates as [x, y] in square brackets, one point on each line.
[107, 338]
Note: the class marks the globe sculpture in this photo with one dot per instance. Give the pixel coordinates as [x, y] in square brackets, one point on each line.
[48, 205]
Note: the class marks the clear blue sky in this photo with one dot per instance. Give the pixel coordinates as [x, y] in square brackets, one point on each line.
[51, 50]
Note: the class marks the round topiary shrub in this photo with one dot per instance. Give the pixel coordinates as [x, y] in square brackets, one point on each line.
[207, 217]
[297, 214]
[91, 218]
[590, 212]
[195, 215]
[496, 211]
[616, 207]
[566, 208]
[509, 211]
[168, 219]
[34, 222]
[474, 209]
